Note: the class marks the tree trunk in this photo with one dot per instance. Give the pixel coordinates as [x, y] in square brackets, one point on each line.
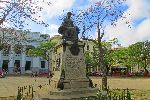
[48, 66]
[101, 60]
[138, 66]
[145, 66]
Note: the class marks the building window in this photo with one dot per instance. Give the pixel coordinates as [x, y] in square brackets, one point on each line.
[27, 65]
[5, 65]
[87, 47]
[42, 64]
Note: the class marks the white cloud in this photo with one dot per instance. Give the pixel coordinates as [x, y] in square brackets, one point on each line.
[3, 3]
[56, 7]
[143, 30]
[138, 9]
[51, 30]
[53, 27]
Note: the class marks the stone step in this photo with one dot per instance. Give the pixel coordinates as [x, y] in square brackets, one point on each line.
[69, 97]
[73, 91]
[69, 94]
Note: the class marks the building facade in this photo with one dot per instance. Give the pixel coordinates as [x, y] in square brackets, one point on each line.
[88, 47]
[14, 45]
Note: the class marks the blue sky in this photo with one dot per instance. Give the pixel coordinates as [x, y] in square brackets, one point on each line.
[139, 19]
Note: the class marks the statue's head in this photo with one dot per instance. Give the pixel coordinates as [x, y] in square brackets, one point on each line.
[69, 14]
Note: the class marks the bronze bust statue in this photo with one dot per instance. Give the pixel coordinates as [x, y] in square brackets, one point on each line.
[67, 29]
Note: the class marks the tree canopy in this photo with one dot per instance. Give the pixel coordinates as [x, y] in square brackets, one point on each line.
[135, 55]
[17, 12]
[43, 50]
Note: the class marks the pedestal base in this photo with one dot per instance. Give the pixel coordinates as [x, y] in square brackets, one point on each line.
[72, 84]
[70, 94]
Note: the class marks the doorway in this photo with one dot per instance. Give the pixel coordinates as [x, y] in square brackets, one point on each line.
[5, 65]
[17, 66]
[28, 65]
[42, 64]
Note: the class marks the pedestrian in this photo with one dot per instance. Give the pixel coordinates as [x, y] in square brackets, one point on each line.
[36, 74]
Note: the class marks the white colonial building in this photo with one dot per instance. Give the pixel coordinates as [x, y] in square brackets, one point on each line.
[14, 45]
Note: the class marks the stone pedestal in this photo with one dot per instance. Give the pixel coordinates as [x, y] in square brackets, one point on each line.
[70, 80]
[69, 94]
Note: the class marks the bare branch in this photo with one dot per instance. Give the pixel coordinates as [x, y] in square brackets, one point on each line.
[17, 12]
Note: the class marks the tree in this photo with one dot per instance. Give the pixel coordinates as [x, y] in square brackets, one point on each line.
[145, 54]
[100, 14]
[92, 58]
[88, 60]
[43, 50]
[135, 55]
[10, 36]
[16, 12]
[140, 53]
[135, 51]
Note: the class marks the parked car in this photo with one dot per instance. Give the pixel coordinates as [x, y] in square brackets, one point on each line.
[43, 73]
[96, 73]
[116, 74]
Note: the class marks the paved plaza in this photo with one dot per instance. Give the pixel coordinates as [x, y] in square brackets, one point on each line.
[9, 85]
[128, 82]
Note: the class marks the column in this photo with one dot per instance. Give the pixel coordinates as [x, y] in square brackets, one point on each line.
[11, 60]
[23, 59]
[1, 60]
[36, 64]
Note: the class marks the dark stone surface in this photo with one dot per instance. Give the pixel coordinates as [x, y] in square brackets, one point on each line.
[61, 81]
[75, 49]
